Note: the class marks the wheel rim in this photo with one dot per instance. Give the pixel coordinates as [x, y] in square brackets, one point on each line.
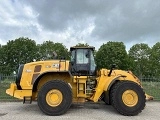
[130, 98]
[54, 97]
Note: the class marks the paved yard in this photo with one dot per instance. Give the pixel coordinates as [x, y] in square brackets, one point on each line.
[90, 111]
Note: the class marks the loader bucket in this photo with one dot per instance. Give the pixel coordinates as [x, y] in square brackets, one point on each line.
[148, 97]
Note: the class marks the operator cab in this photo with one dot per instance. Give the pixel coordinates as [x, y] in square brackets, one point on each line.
[82, 61]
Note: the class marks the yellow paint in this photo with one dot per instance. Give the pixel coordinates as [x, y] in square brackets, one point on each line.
[12, 89]
[130, 98]
[20, 94]
[148, 97]
[54, 76]
[28, 71]
[104, 81]
[47, 66]
[81, 86]
[58, 70]
[54, 98]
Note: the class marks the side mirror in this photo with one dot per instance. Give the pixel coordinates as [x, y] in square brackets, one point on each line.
[87, 54]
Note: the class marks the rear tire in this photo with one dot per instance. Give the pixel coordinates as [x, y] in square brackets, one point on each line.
[55, 97]
[128, 98]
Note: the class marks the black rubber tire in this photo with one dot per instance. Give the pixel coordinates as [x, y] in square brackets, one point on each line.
[116, 98]
[66, 91]
[105, 98]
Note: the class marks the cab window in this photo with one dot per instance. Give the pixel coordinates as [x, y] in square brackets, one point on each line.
[82, 57]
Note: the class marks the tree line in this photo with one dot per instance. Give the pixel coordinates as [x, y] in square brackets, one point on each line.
[141, 59]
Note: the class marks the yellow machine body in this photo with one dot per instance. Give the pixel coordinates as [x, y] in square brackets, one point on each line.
[91, 87]
[36, 74]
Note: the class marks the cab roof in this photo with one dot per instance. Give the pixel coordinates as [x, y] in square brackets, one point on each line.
[84, 47]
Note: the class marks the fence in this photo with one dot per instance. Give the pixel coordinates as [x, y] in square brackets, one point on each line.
[151, 86]
[5, 81]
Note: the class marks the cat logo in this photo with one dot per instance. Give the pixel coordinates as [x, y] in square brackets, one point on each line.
[56, 65]
[28, 71]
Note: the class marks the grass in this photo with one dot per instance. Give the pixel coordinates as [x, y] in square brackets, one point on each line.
[151, 88]
[4, 85]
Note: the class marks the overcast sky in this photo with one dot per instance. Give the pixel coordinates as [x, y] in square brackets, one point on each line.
[81, 21]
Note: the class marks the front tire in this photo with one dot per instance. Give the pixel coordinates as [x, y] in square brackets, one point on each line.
[106, 97]
[55, 97]
[128, 98]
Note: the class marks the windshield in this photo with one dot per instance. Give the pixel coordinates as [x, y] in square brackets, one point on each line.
[82, 57]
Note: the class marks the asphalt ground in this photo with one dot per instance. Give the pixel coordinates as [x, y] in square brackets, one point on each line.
[86, 111]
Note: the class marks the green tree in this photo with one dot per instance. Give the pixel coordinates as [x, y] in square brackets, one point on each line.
[19, 51]
[1, 62]
[4, 66]
[112, 53]
[0, 55]
[82, 45]
[139, 54]
[155, 60]
[48, 47]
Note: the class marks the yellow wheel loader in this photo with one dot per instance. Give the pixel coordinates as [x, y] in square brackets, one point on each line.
[56, 84]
